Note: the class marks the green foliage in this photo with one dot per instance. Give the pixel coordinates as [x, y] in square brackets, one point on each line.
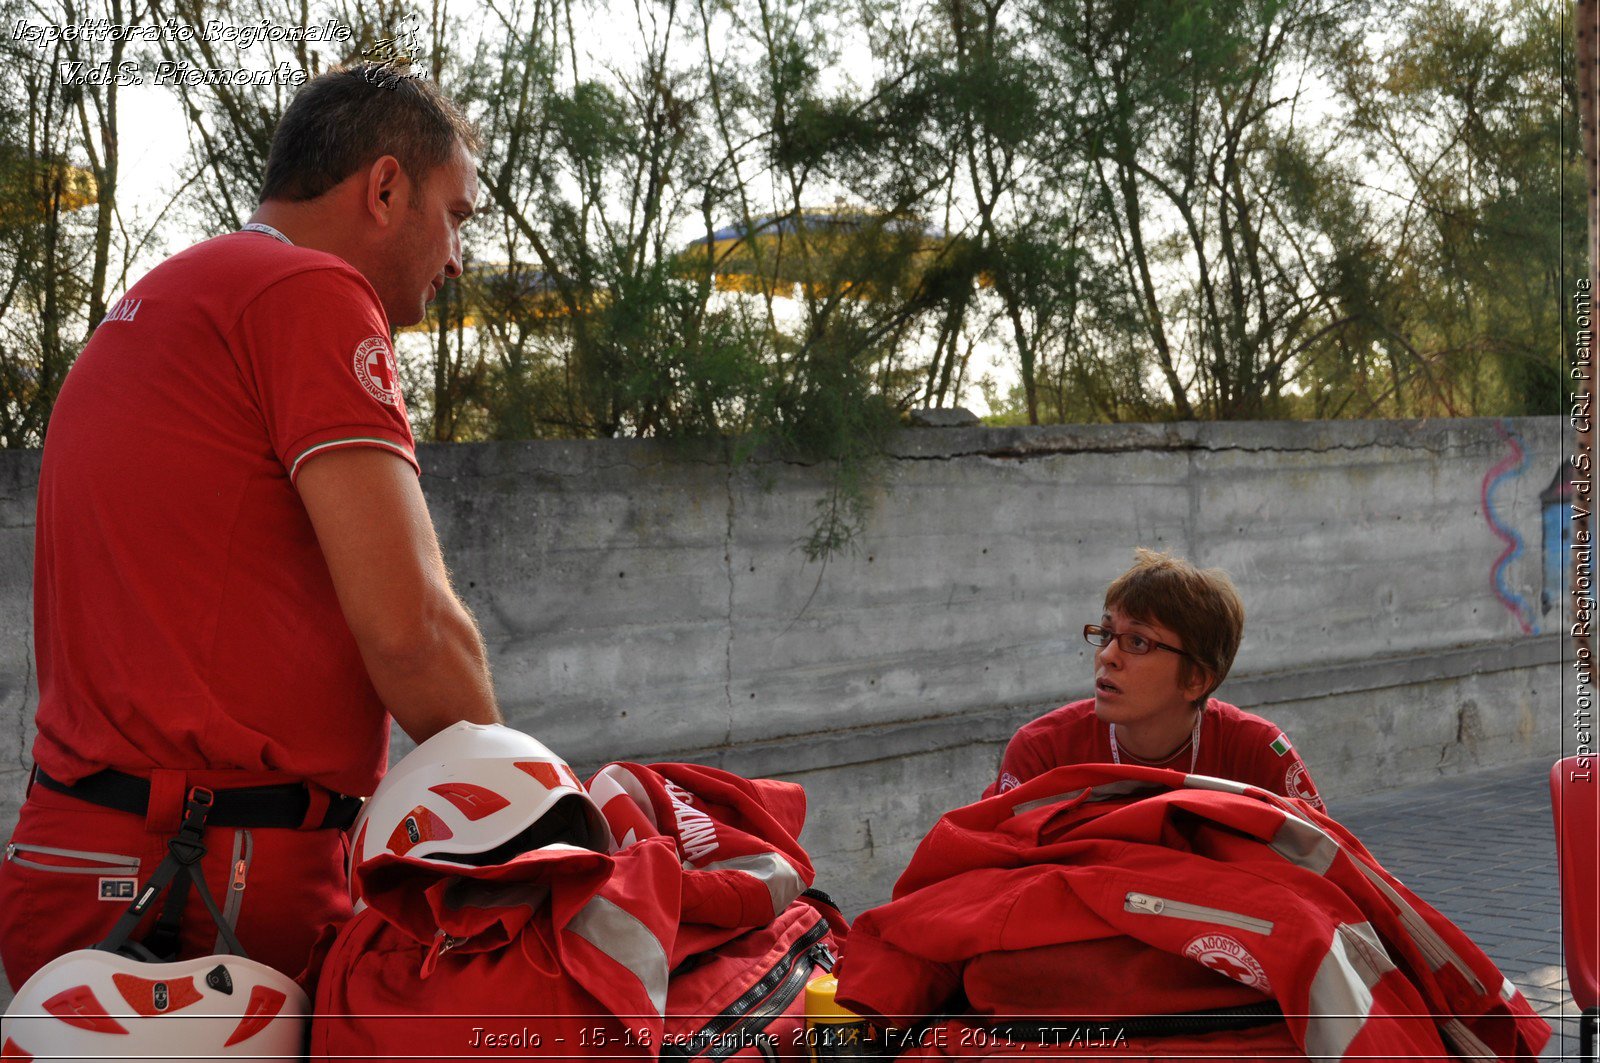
[1475, 104]
[784, 222]
[47, 235]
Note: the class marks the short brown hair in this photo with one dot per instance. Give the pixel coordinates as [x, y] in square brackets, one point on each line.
[1201, 606]
[348, 118]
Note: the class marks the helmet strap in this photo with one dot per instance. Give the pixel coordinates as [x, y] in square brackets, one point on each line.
[179, 870]
[163, 938]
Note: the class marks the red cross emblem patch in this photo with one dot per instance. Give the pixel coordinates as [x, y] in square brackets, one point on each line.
[375, 368]
[1228, 958]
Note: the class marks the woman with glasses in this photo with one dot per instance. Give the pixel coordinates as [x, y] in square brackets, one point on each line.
[1165, 641]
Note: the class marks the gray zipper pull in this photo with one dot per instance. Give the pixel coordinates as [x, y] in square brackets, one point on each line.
[1143, 902]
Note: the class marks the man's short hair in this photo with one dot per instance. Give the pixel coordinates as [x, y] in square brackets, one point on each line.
[1200, 606]
[348, 118]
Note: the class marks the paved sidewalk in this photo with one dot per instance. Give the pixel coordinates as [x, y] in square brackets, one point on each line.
[1482, 850]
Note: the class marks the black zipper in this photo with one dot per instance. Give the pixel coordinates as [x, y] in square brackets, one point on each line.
[761, 1003]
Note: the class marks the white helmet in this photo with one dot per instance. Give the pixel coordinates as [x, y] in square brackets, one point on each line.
[92, 1004]
[476, 794]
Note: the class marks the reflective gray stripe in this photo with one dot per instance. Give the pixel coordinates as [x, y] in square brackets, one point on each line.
[1341, 992]
[1305, 845]
[1211, 782]
[1365, 948]
[1508, 991]
[106, 863]
[1464, 1042]
[621, 936]
[616, 781]
[777, 874]
[1426, 938]
[1103, 792]
[1317, 850]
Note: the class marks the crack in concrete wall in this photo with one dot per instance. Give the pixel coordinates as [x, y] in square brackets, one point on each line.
[999, 444]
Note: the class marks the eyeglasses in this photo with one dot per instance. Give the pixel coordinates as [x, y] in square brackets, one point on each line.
[1128, 641]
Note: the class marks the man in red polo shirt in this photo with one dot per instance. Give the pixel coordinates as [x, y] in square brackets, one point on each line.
[237, 579]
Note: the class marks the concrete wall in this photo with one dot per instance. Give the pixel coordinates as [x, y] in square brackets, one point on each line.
[642, 602]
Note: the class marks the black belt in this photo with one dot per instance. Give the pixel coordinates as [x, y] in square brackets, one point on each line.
[245, 806]
[1189, 1023]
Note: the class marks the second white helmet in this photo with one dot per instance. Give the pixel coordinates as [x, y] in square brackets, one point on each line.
[477, 794]
[91, 1004]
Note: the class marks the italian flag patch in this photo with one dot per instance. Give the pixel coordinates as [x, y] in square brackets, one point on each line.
[1280, 745]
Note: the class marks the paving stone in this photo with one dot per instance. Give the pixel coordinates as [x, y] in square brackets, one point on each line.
[1482, 851]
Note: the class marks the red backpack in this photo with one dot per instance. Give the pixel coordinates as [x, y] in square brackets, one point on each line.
[747, 997]
[752, 933]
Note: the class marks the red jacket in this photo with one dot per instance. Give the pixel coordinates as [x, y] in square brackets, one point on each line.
[560, 952]
[1108, 865]
[738, 840]
[566, 952]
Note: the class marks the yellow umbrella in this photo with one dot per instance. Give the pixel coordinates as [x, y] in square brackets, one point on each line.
[42, 181]
[821, 250]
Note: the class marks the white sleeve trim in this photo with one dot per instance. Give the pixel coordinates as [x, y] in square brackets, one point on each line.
[365, 441]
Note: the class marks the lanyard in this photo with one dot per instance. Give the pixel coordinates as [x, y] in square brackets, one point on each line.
[265, 230]
[1194, 742]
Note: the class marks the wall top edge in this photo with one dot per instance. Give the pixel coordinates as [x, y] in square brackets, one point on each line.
[1433, 436]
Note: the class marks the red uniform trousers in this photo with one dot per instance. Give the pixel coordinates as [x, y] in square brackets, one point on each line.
[65, 855]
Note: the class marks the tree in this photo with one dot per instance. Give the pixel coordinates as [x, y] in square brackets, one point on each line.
[1206, 161]
[48, 248]
[1475, 112]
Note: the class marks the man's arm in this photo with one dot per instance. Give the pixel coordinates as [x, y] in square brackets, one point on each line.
[421, 646]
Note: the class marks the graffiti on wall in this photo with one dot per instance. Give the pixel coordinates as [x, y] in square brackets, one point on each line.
[1514, 464]
[1555, 507]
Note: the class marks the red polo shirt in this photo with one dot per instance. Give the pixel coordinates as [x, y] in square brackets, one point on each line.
[1234, 745]
[184, 616]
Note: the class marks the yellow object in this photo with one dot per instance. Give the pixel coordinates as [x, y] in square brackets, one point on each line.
[818, 253]
[833, 1032]
[37, 185]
